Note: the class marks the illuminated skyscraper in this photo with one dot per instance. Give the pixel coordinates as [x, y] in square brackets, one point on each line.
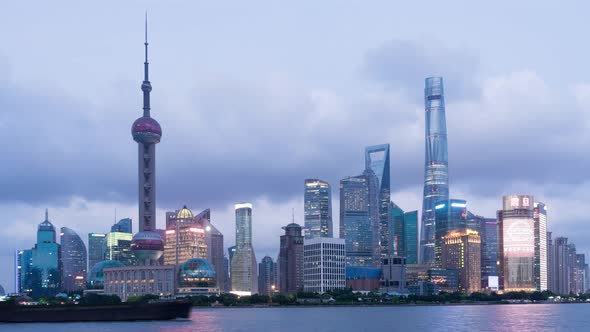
[118, 248]
[45, 276]
[244, 274]
[450, 215]
[461, 251]
[541, 270]
[317, 209]
[436, 171]
[185, 239]
[355, 226]
[23, 270]
[73, 257]
[96, 249]
[516, 251]
[377, 164]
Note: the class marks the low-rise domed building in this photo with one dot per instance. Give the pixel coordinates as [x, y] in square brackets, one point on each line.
[96, 274]
[197, 277]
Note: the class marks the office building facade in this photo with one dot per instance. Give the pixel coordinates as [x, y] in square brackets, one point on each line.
[185, 238]
[450, 216]
[461, 251]
[291, 260]
[244, 274]
[324, 265]
[355, 226]
[317, 206]
[541, 270]
[267, 284]
[96, 248]
[74, 261]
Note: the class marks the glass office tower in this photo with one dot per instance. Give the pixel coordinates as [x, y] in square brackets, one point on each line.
[96, 248]
[411, 236]
[377, 162]
[450, 215]
[317, 209]
[244, 268]
[541, 271]
[73, 257]
[355, 226]
[436, 172]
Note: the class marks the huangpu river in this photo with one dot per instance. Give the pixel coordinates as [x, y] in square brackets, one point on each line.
[513, 317]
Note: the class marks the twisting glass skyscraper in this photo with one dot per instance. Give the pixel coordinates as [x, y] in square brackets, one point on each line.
[436, 172]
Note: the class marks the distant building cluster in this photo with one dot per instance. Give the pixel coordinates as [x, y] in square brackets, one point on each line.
[379, 248]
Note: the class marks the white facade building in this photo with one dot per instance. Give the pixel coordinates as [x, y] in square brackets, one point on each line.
[324, 264]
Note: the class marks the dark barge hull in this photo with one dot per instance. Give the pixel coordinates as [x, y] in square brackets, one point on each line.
[78, 313]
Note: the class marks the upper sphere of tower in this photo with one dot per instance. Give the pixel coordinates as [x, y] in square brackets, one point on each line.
[146, 130]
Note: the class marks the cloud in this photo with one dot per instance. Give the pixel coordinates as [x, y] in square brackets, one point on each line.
[405, 64]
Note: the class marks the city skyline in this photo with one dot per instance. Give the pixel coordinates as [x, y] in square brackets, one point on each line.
[73, 203]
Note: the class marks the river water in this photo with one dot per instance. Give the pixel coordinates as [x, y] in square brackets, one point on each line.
[514, 317]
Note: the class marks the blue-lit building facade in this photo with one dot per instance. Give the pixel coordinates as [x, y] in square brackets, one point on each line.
[436, 171]
[74, 262]
[377, 169]
[355, 225]
[24, 268]
[45, 275]
[124, 225]
[404, 231]
[450, 215]
[317, 209]
[96, 248]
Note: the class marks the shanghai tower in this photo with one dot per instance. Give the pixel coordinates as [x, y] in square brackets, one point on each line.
[436, 167]
[147, 245]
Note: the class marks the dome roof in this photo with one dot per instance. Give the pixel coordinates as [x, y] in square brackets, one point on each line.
[184, 213]
[197, 268]
[96, 274]
[146, 130]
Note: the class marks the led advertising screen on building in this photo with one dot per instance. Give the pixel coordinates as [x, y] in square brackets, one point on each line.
[519, 237]
[512, 202]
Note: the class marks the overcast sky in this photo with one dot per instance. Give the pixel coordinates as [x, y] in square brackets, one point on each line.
[254, 97]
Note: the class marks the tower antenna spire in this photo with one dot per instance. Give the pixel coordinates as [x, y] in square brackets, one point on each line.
[46, 215]
[146, 86]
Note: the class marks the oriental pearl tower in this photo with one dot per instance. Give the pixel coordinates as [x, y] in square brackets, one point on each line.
[147, 245]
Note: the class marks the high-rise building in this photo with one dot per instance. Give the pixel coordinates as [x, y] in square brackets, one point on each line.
[244, 279]
[23, 270]
[461, 251]
[146, 131]
[397, 241]
[411, 240]
[540, 219]
[185, 238]
[96, 249]
[377, 169]
[324, 265]
[215, 251]
[404, 231]
[118, 248]
[561, 275]
[450, 216]
[266, 276]
[516, 249]
[550, 263]
[124, 225]
[489, 251]
[355, 226]
[45, 276]
[436, 164]
[74, 262]
[580, 274]
[291, 260]
[317, 209]
[571, 267]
